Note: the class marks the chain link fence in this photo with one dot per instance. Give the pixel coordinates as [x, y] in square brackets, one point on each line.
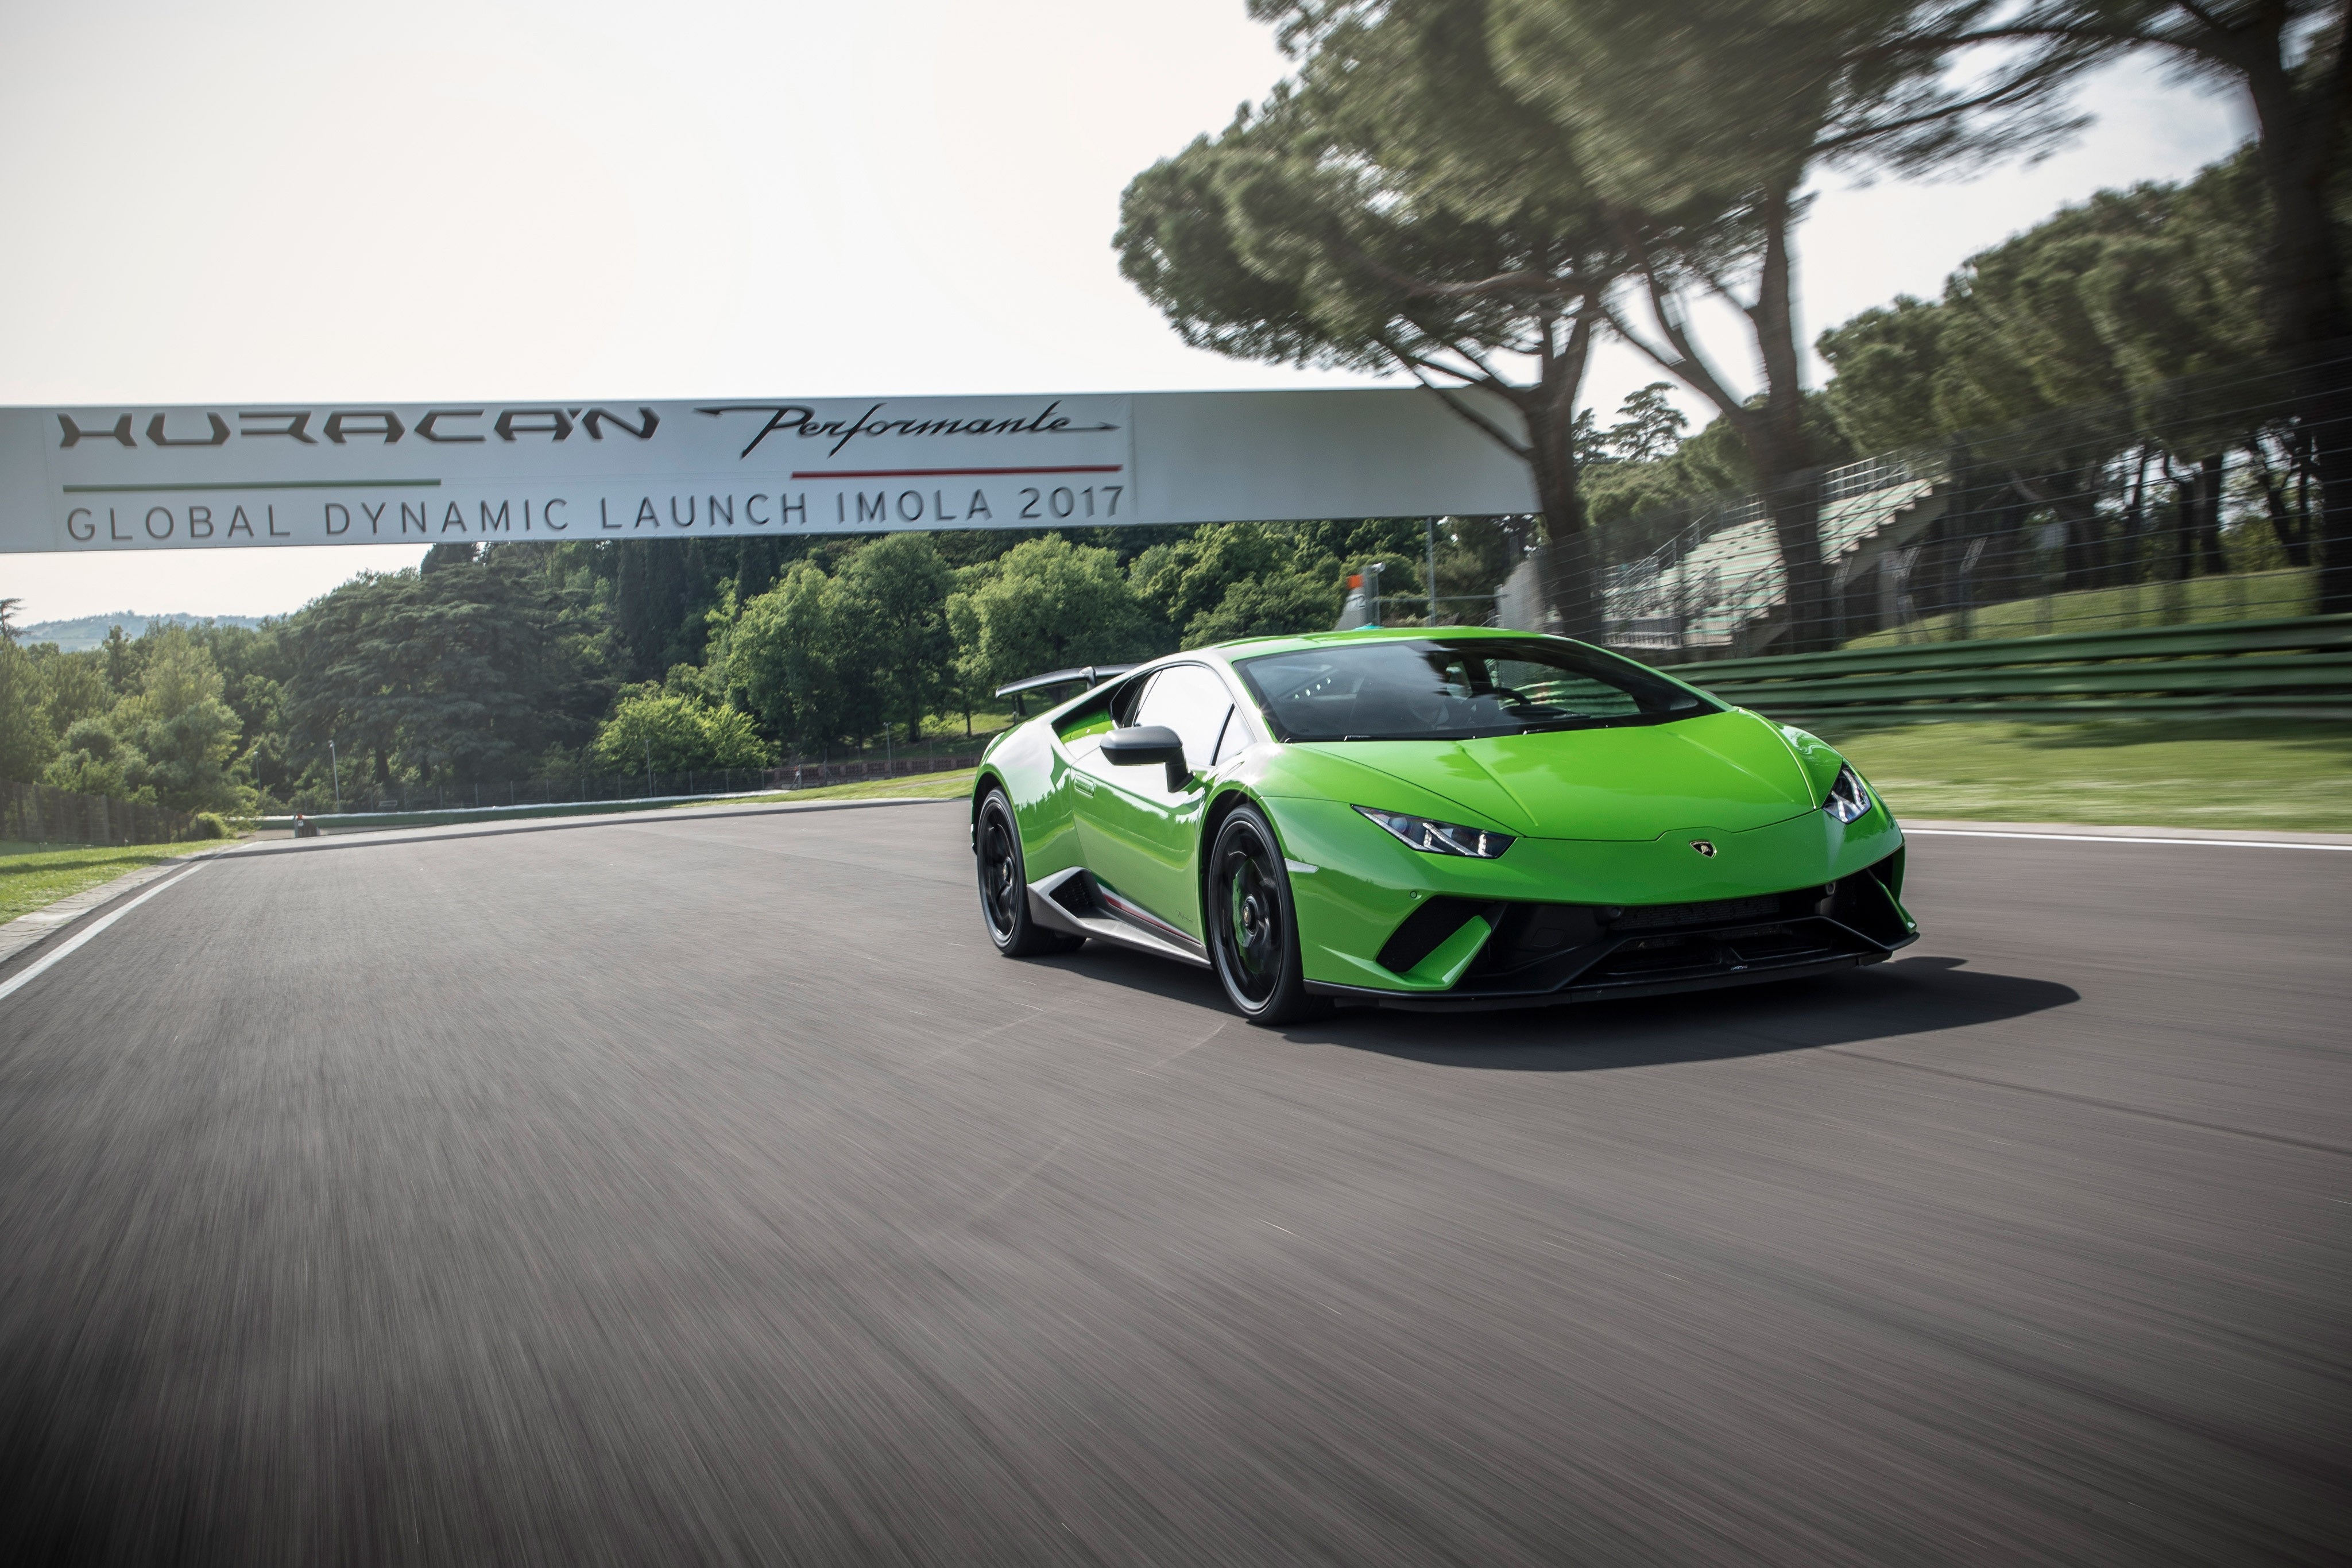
[2181, 503]
[400, 798]
[34, 813]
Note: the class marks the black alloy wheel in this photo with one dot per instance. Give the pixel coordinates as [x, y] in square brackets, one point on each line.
[1004, 889]
[1252, 927]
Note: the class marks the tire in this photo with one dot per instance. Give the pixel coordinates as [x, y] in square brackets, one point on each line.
[1253, 925]
[1005, 886]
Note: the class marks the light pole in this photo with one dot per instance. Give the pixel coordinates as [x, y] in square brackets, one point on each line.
[335, 769]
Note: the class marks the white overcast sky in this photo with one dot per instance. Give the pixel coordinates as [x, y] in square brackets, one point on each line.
[235, 201]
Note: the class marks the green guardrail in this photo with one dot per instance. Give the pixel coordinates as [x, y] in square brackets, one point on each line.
[2300, 668]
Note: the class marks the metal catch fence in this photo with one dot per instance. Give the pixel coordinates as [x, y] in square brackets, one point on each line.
[2178, 506]
[34, 813]
[2298, 667]
[591, 789]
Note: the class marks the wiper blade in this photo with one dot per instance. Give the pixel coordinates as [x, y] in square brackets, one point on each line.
[1597, 721]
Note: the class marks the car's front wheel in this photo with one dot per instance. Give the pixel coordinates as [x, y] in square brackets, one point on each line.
[1253, 926]
[1005, 886]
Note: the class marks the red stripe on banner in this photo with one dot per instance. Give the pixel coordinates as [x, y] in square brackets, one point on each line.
[954, 473]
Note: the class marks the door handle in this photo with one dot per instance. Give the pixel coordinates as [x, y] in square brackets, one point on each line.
[1084, 785]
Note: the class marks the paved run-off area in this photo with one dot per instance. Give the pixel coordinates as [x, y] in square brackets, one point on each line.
[706, 1190]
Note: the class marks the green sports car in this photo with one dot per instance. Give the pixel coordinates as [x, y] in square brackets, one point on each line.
[1430, 818]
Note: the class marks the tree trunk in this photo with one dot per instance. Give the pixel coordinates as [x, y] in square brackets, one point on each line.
[2208, 518]
[2075, 502]
[2182, 564]
[1568, 567]
[1795, 500]
[1779, 443]
[1566, 562]
[2287, 526]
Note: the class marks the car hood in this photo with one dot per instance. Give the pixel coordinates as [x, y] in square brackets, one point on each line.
[1731, 771]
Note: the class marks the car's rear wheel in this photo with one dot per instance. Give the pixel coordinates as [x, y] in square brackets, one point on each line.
[1253, 926]
[1005, 886]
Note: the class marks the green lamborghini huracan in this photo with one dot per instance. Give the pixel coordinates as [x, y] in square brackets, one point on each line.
[1430, 818]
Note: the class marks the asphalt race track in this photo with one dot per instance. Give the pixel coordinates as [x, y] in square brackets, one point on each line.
[706, 1190]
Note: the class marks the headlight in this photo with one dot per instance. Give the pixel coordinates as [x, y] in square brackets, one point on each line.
[1848, 797]
[1441, 838]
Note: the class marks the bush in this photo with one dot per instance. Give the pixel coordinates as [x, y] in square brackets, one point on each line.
[95, 761]
[672, 734]
[211, 825]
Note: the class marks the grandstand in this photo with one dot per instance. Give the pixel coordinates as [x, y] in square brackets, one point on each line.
[1716, 590]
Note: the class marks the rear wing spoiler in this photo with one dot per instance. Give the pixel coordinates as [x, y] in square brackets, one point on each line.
[1084, 674]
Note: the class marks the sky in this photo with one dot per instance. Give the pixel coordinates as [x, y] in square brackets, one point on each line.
[531, 201]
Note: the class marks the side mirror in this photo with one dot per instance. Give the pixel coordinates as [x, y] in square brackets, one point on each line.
[1147, 744]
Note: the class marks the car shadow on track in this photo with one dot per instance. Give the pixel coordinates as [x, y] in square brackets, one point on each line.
[1904, 997]
[1919, 995]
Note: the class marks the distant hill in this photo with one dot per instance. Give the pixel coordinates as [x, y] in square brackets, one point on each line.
[89, 631]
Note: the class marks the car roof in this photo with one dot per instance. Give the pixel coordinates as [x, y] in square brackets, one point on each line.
[1244, 648]
[1251, 647]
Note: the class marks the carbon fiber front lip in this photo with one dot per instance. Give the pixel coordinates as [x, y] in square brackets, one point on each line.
[1494, 1001]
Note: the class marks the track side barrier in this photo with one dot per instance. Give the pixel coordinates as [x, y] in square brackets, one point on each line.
[34, 813]
[2300, 667]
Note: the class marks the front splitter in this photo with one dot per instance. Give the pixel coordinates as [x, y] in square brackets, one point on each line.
[1497, 1001]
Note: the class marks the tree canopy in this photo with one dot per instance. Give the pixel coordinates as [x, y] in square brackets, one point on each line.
[1397, 208]
[2289, 60]
[1456, 188]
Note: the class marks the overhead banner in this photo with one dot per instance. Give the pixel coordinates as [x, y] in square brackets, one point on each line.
[238, 476]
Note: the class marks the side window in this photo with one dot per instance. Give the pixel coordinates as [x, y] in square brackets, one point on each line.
[1236, 738]
[1193, 703]
[1124, 701]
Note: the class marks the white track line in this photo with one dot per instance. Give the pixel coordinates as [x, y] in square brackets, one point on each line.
[2110, 839]
[95, 926]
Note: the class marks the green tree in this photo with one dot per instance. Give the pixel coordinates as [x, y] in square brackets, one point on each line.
[784, 653]
[1649, 427]
[672, 734]
[122, 661]
[2129, 321]
[94, 762]
[1396, 208]
[653, 599]
[185, 734]
[1048, 604]
[254, 667]
[1700, 128]
[73, 685]
[448, 553]
[2289, 58]
[1182, 580]
[758, 563]
[892, 613]
[469, 674]
[1256, 580]
[1887, 360]
[1280, 603]
[26, 741]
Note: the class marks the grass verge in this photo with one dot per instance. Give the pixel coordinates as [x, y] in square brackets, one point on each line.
[2238, 596]
[2241, 774]
[34, 875]
[924, 787]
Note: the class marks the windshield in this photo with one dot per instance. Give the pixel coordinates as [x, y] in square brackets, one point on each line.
[1455, 688]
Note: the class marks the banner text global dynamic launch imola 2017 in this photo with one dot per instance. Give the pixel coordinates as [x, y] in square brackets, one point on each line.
[232, 476]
